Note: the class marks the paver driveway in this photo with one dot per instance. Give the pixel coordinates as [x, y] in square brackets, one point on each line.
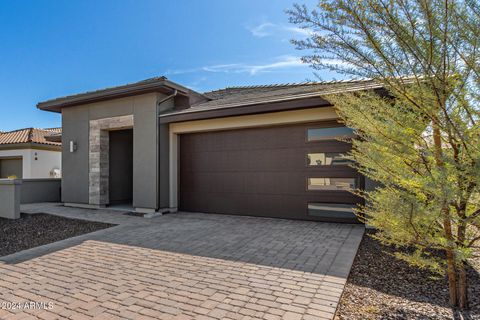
[183, 266]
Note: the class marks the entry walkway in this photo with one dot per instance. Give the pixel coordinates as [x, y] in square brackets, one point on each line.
[183, 266]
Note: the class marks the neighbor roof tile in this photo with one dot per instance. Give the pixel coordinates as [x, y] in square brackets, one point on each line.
[29, 135]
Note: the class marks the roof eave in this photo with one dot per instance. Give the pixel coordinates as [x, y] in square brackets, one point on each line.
[274, 104]
[284, 103]
[31, 145]
[248, 109]
[163, 86]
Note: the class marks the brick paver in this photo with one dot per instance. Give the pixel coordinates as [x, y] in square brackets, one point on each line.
[182, 266]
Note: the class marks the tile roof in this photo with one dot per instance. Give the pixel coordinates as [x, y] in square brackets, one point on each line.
[251, 95]
[53, 130]
[29, 135]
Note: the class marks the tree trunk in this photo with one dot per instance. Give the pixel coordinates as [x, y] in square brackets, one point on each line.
[462, 286]
[451, 263]
[462, 294]
[447, 223]
[452, 278]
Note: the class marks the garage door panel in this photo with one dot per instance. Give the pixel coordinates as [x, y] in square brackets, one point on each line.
[286, 206]
[189, 163]
[259, 138]
[332, 172]
[246, 182]
[243, 139]
[332, 197]
[281, 183]
[215, 202]
[269, 159]
[261, 205]
[227, 182]
[11, 167]
[244, 204]
[282, 159]
[328, 146]
[259, 172]
[253, 160]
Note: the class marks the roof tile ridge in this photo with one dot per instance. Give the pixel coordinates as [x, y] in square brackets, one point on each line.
[30, 134]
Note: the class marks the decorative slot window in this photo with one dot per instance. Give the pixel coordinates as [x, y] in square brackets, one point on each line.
[331, 210]
[328, 159]
[331, 183]
[320, 134]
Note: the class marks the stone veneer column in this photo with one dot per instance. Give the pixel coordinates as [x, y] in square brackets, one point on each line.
[99, 156]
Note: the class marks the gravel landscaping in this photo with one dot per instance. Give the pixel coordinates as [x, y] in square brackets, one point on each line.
[38, 229]
[383, 287]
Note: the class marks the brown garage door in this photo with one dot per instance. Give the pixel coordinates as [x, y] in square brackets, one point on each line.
[295, 172]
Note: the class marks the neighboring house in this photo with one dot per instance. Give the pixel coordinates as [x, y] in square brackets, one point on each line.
[29, 153]
[262, 150]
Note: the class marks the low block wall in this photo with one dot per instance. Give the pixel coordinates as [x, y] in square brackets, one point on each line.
[40, 190]
[10, 198]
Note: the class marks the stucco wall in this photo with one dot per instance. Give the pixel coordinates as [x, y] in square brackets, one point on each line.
[40, 190]
[10, 198]
[164, 177]
[145, 155]
[163, 165]
[45, 163]
[75, 165]
[40, 168]
[75, 123]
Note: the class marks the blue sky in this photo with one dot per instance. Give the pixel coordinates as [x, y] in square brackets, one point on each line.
[55, 48]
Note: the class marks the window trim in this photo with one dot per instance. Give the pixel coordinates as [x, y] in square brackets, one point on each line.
[356, 180]
[325, 165]
[354, 219]
[325, 127]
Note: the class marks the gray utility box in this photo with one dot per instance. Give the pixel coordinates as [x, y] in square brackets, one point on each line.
[10, 198]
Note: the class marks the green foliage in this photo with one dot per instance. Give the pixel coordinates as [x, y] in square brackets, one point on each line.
[395, 149]
[420, 138]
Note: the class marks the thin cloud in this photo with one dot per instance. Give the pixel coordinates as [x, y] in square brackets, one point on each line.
[221, 67]
[267, 29]
[283, 63]
[181, 71]
[279, 63]
[301, 31]
[262, 30]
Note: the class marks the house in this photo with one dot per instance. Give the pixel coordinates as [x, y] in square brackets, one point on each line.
[30, 154]
[268, 151]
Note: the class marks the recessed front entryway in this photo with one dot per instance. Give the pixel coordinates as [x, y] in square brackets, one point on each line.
[99, 163]
[121, 167]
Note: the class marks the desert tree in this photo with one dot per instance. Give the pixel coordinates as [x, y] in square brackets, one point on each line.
[420, 140]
